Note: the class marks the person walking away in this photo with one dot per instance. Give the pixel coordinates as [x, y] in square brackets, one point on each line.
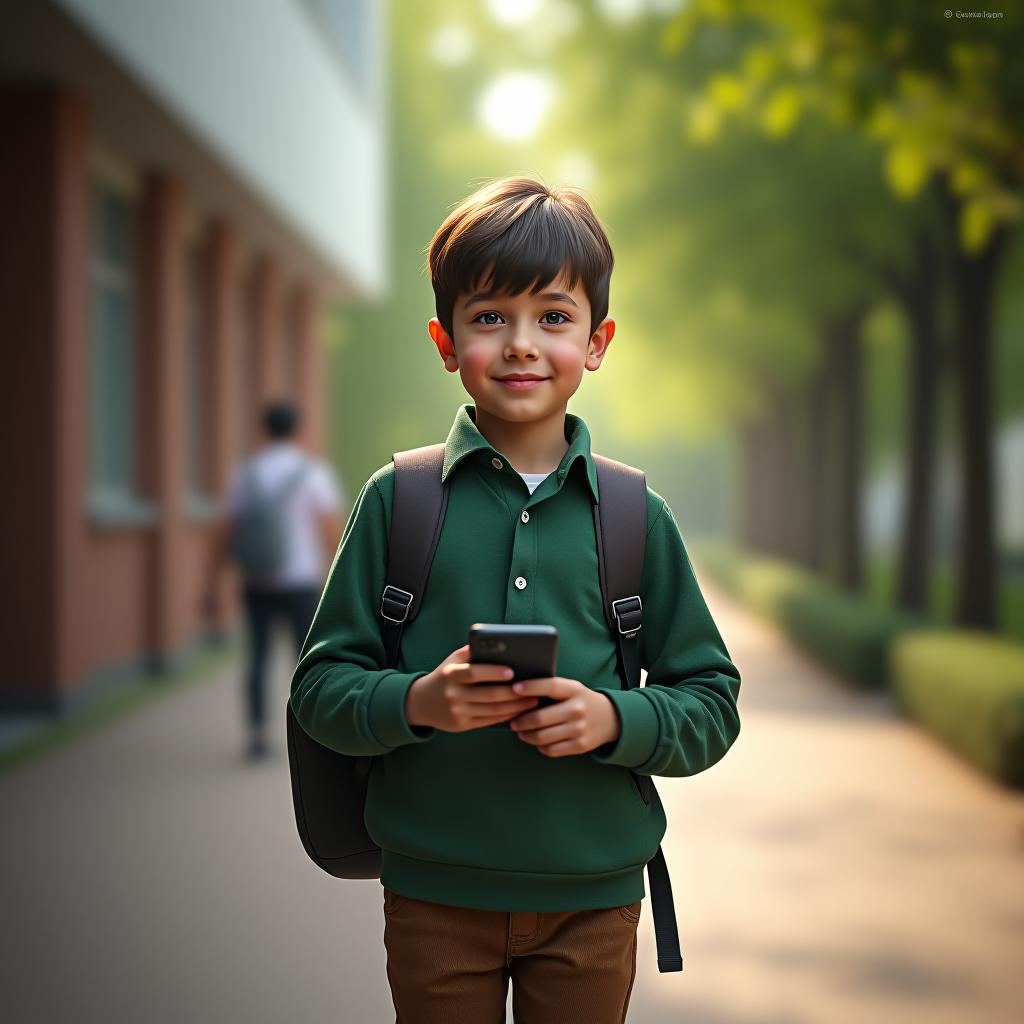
[282, 524]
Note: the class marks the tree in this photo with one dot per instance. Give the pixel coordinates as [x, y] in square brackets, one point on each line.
[946, 103]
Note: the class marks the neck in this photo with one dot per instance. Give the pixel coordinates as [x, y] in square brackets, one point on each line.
[536, 446]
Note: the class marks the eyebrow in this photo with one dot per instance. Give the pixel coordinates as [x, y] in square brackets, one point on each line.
[556, 296]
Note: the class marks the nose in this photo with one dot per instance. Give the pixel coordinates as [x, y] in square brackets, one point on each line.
[521, 346]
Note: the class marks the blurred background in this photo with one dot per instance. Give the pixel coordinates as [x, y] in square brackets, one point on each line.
[815, 209]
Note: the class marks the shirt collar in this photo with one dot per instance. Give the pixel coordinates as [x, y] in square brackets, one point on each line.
[464, 438]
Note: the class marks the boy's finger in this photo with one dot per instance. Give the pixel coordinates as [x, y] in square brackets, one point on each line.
[508, 707]
[482, 672]
[494, 694]
[546, 686]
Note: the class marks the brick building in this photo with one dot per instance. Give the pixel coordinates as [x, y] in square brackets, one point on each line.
[185, 189]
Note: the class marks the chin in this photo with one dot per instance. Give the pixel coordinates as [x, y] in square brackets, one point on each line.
[516, 411]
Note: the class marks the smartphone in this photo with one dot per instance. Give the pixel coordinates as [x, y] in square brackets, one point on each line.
[530, 651]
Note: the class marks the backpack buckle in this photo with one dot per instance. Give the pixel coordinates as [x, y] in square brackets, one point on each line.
[629, 612]
[394, 599]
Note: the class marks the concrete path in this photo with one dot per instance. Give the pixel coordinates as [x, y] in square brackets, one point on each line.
[837, 867]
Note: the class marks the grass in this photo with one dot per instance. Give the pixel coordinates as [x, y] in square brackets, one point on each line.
[145, 689]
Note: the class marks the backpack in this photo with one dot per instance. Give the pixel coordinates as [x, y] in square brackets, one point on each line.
[329, 788]
[258, 540]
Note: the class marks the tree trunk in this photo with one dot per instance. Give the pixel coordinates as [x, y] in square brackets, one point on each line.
[976, 600]
[795, 493]
[760, 478]
[925, 352]
[975, 277]
[749, 480]
[780, 482]
[815, 453]
[848, 390]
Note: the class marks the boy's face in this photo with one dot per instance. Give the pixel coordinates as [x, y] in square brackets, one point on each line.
[545, 337]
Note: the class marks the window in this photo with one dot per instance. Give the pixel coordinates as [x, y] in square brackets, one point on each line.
[113, 459]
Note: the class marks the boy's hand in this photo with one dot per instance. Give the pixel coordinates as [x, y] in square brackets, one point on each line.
[581, 720]
[450, 699]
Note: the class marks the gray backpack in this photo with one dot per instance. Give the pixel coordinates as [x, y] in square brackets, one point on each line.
[258, 540]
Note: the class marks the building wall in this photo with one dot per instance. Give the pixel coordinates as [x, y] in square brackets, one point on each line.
[29, 255]
[242, 74]
[97, 594]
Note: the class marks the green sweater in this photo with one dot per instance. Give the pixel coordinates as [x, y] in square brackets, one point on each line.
[481, 818]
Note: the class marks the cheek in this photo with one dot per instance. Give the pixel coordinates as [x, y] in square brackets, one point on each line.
[567, 358]
[475, 361]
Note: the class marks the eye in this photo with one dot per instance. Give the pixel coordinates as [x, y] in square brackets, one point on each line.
[556, 323]
[487, 323]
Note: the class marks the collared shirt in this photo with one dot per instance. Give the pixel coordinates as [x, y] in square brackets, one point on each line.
[481, 818]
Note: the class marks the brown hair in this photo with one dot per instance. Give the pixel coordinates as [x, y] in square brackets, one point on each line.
[530, 233]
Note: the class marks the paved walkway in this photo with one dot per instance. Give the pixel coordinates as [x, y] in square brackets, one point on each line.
[837, 866]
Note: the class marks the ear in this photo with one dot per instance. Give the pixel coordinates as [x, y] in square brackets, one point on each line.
[599, 342]
[444, 343]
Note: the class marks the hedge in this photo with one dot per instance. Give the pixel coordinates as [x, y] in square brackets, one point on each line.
[965, 687]
[845, 631]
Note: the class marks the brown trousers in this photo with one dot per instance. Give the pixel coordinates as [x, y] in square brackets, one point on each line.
[452, 965]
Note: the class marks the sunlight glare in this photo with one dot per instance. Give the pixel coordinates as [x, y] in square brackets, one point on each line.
[514, 104]
[621, 10]
[451, 44]
[512, 12]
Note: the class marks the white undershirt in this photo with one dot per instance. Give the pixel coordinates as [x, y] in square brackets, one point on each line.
[534, 480]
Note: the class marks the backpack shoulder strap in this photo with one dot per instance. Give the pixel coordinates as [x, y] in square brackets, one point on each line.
[620, 524]
[417, 515]
[304, 468]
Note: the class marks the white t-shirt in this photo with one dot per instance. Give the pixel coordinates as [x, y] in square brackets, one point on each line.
[305, 562]
[534, 480]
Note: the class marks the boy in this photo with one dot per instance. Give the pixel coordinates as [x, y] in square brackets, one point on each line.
[515, 850]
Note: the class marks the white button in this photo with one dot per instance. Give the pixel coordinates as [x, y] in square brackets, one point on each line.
[525, 516]
[520, 582]
[496, 463]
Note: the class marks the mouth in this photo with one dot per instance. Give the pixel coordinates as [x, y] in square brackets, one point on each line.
[521, 381]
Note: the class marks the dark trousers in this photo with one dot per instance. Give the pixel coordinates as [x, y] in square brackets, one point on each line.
[452, 965]
[263, 608]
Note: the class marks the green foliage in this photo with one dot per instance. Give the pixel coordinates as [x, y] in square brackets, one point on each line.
[941, 96]
[886, 363]
[966, 688]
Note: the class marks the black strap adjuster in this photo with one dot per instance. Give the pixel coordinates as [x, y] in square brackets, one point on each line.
[629, 612]
[396, 601]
